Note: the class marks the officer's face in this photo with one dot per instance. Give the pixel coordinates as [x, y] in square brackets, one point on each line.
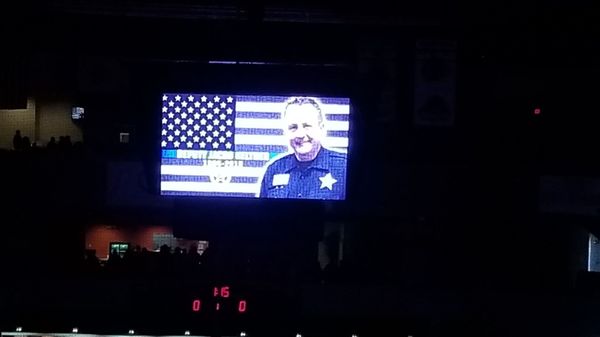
[304, 129]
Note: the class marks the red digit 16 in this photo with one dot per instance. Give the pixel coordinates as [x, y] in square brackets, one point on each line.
[223, 292]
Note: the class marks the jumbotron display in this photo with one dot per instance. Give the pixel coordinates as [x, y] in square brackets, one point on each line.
[225, 145]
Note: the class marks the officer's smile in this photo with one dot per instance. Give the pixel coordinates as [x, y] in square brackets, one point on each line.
[299, 143]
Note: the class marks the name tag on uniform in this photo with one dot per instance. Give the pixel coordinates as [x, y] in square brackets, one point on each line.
[281, 179]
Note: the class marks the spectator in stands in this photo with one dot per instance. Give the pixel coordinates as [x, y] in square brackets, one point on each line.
[147, 264]
[78, 147]
[165, 259]
[25, 143]
[331, 270]
[179, 260]
[114, 261]
[64, 143]
[17, 140]
[207, 259]
[193, 255]
[52, 144]
[128, 257]
[92, 264]
[165, 250]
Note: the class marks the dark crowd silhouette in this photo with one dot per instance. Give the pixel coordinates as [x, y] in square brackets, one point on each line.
[210, 265]
[23, 143]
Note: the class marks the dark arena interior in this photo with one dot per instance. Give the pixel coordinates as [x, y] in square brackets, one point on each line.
[299, 168]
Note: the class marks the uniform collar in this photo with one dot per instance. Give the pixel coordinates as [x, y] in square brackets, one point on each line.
[320, 162]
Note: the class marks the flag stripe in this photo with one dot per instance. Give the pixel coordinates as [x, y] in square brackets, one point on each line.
[330, 117]
[278, 115]
[278, 140]
[244, 180]
[258, 114]
[182, 161]
[262, 148]
[266, 99]
[341, 134]
[339, 149]
[209, 170]
[254, 131]
[255, 163]
[251, 106]
[208, 187]
[282, 99]
[208, 194]
[180, 178]
[335, 100]
[276, 124]
[279, 132]
[206, 179]
[260, 140]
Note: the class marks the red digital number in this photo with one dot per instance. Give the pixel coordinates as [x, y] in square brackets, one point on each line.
[196, 305]
[218, 306]
[242, 306]
[223, 292]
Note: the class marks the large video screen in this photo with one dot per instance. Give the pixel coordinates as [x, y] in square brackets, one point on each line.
[224, 145]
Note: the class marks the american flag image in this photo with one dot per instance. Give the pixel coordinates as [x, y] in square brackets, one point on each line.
[219, 144]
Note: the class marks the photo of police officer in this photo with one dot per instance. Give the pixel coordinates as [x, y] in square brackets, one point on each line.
[310, 171]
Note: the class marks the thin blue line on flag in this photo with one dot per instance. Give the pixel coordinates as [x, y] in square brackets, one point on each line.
[169, 153]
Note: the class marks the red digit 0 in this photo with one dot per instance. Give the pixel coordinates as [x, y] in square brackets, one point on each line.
[242, 306]
[196, 305]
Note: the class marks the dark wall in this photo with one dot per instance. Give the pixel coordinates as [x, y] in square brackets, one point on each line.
[463, 197]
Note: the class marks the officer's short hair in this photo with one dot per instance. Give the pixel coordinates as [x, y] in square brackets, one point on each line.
[305, 100]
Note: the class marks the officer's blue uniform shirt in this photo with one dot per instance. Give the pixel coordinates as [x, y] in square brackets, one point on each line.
[322, 178]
